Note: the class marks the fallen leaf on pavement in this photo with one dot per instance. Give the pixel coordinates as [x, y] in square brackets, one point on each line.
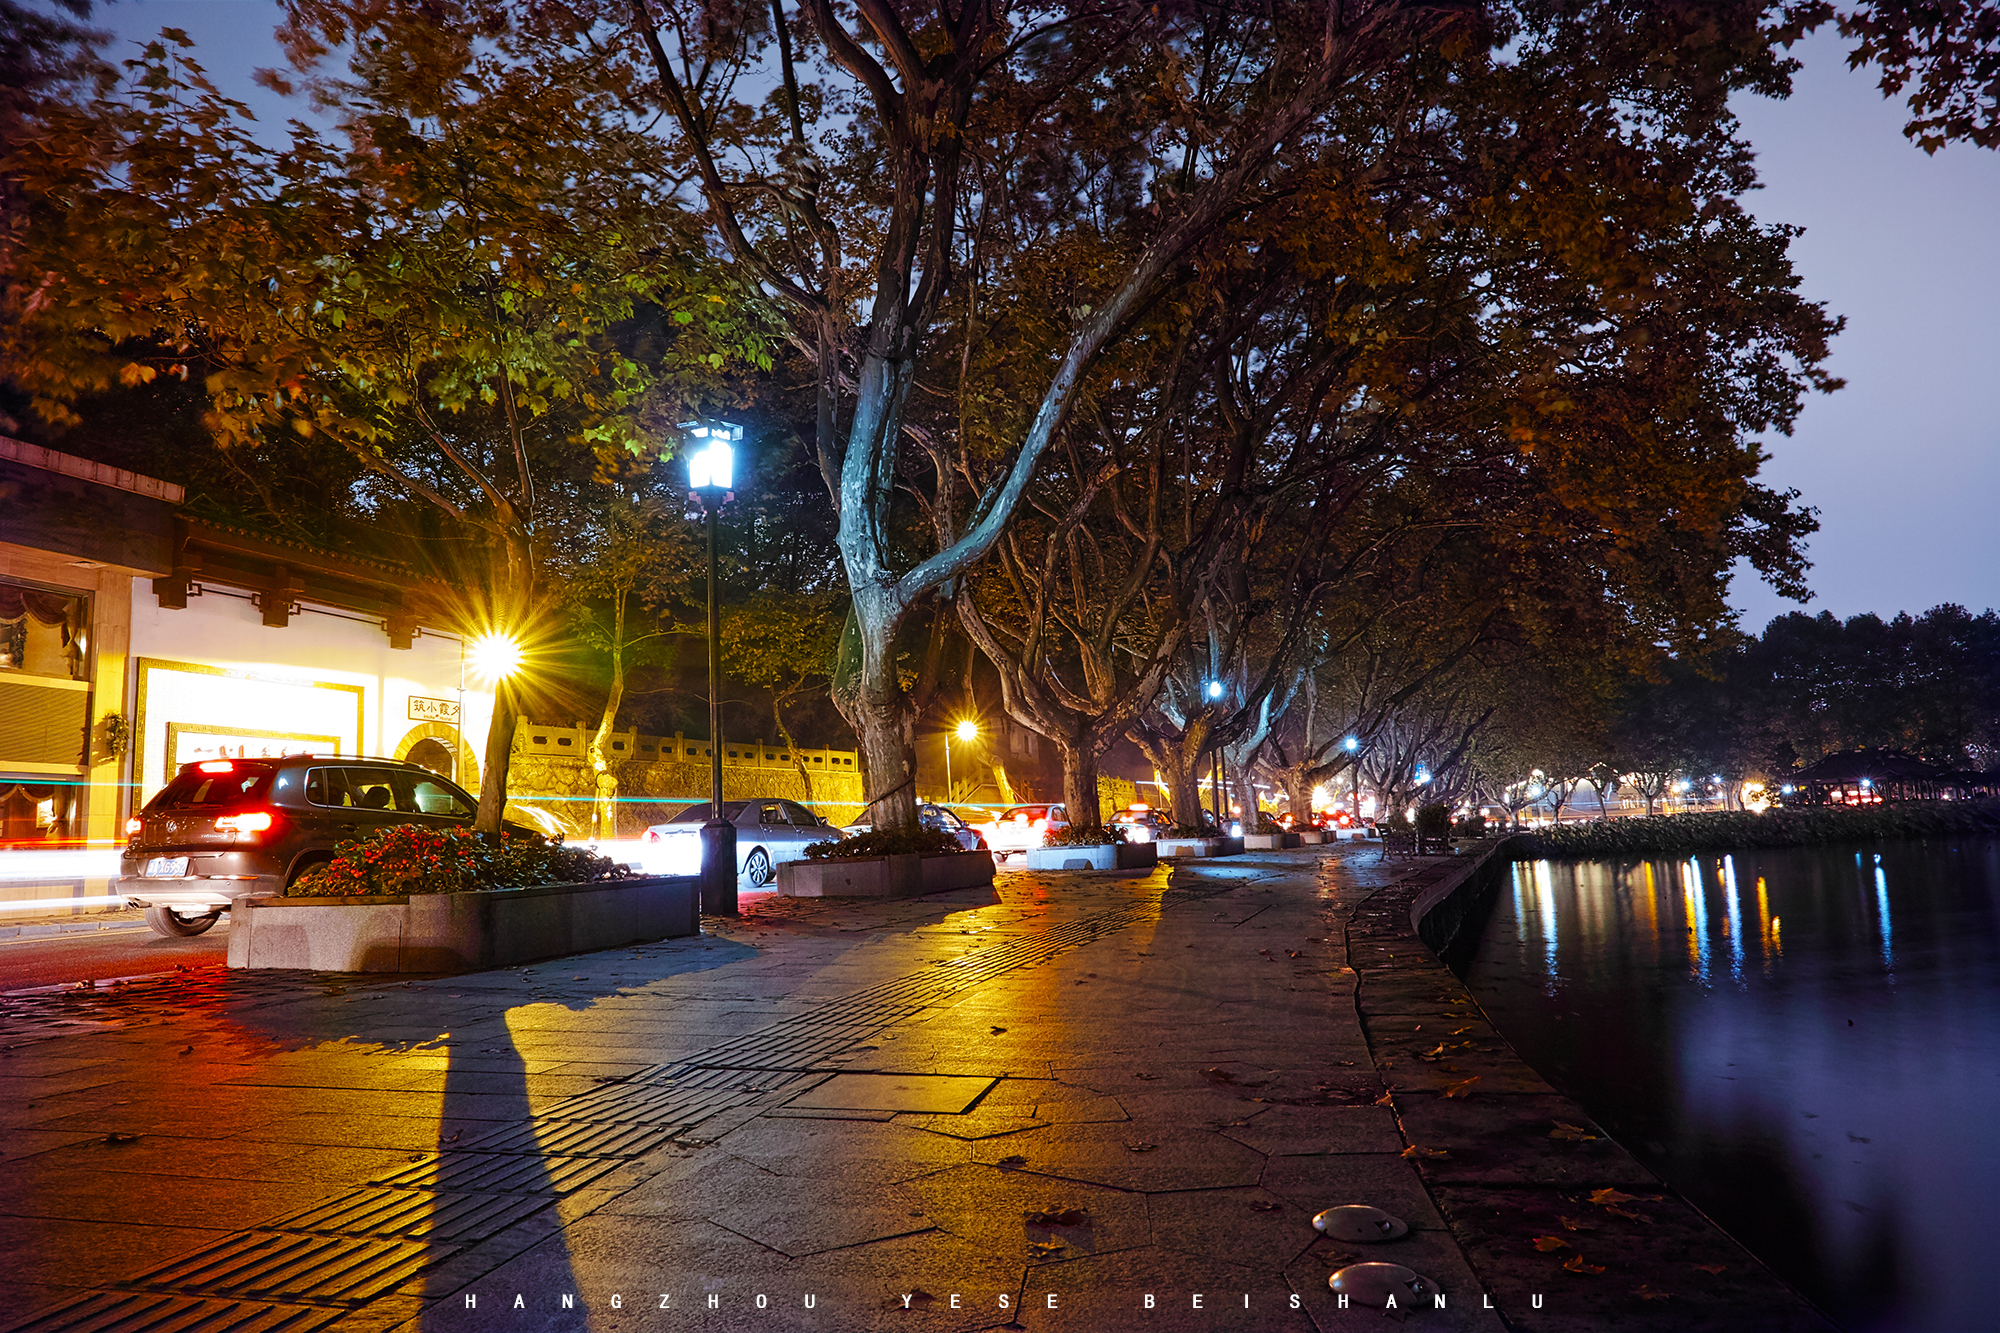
[1067, 1217]
[997, 1031]
[1145, 1076]
[1652, 1294]
[1383, 1100]
[1414, 1151]
[1628, 1214]
[1141, 1147]
[1260, 1206]
[120, 1138]
[1571, 1224]
[1612, 1196]
[1011, 1163]
[1550, 1244]
[1572, 1133]
[1575, 1264]
[1044, 1249]
[1713, 1268]
[1463, 1088]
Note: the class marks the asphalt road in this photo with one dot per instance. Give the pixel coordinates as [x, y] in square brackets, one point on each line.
[100, 955]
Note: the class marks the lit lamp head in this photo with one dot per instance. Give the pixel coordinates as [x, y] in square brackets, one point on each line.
[712, 462]
[967, 730]
[1215, 689]
[493, 655]
[1352, 744]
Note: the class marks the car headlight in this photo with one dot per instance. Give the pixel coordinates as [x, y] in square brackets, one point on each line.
[1139, 834]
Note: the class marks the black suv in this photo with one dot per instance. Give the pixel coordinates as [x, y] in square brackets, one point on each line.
[226, 827]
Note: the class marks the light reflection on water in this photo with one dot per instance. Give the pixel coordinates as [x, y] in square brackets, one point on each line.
[1822, 1084]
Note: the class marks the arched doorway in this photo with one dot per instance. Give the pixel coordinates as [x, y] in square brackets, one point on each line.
[435, 755]
[438, 747]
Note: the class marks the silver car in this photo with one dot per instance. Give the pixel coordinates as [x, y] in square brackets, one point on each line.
[769, 832]
[938, 818]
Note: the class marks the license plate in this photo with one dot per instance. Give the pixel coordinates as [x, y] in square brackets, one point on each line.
[166, 867]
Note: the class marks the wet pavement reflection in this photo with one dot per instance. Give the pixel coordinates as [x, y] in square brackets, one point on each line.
[1802, 1042]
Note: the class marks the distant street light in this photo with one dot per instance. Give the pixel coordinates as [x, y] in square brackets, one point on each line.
[1215, 784]
[966, 730]
[711, 476]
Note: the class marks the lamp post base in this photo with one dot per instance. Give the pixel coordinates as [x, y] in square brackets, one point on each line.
[718, 868]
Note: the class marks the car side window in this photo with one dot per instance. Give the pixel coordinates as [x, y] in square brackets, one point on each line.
[800, 816]
[772, 814]
[431, 797]
[328, 786]
[371, 789]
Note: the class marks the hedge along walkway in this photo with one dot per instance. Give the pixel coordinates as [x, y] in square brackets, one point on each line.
[1540, 1199]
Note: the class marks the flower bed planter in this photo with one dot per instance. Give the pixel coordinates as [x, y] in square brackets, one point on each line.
[1190, 847]
[1104, 856]
[1269, 842]
[884, 876]
[1310, 838]
[455, 932]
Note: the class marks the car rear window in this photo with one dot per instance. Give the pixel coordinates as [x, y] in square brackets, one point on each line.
[698, 813]
[1027, 812]
[193, 789]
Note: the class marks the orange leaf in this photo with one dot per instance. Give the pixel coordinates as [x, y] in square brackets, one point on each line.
[1550, 1244]
[1575, 1264]
[1414, 1151]
[1463, 1088]
[1712, 1268]
[1611, 1196]
[1649, 1294]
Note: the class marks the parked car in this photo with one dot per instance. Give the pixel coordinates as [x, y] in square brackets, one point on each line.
[769, 832]
[226, 827]
[939, 818]
[1142, 823]
[1021, 827]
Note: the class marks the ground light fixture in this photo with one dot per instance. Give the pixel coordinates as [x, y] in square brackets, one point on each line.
[711, 468]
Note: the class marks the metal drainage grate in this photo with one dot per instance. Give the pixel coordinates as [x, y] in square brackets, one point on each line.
[464, 1219]
[496, 1173]
[339, 1270]
[134, 1312]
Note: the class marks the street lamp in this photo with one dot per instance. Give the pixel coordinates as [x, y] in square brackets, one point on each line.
[711, 474]
[1353, 746]
[966, 730]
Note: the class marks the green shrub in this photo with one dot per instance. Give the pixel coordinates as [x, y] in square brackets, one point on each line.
[1472, 826]
[886, 842]
[1069, 835]
[1434, 820]
[423, 858]
[1726, 830]
[1268, 826]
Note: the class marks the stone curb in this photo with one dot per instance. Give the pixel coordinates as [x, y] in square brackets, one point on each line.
[1539, 1197]
[67, 928]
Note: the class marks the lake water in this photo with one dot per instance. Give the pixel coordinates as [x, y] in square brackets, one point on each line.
[1804, 1043]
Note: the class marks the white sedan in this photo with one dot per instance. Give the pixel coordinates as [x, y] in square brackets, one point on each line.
[1023, 827]
[768, 833]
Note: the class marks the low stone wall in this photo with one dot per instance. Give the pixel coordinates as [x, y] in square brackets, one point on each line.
[1107, 856]
[651, 792]
[456, 932]
[884, 876]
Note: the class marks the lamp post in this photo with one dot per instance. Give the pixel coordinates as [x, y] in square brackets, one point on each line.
[1353, 747]
[1215, 784]
[711, 471]
[966, 730]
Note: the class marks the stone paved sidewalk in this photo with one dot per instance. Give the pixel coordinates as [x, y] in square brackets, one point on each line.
[1069, 1102]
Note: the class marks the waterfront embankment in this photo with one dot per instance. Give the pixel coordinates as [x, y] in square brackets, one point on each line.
[1746, 830]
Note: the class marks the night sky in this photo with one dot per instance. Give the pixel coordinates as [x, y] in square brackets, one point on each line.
[1903, 464]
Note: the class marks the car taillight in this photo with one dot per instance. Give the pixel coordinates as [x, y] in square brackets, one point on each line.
[1041, 826]
[218, 766]
[133, 825]
[257, 821]
[649, 836]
